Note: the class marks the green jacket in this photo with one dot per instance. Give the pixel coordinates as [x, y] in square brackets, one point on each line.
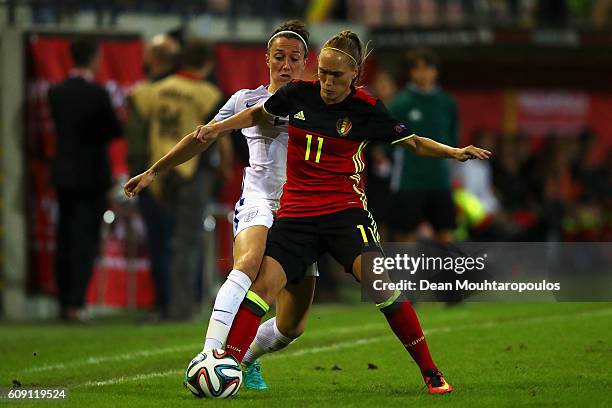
[432, 115]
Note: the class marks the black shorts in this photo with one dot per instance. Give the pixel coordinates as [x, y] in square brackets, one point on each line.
[298, 242]
[410, 208]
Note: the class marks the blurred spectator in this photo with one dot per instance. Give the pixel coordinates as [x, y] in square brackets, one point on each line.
[161, 59]
[559, 186]
[422, 186]
[378, 165]
[319, 10]
[173, 107]
[552, 13]
[602, 14]
[398, 13]
[85, 123]
[587, 216]
[383, 86]
[554, 193]
[476, 176]
[511, 187]
[586, 169]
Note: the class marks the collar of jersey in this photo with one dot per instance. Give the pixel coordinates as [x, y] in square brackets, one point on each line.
[188, 75]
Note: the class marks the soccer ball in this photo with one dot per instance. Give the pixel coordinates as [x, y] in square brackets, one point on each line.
[214, 374]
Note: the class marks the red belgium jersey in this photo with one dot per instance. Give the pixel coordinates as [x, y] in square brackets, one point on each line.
[325, 149]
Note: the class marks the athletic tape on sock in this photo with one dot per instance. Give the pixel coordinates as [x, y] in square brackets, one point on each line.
[255, 300]
[389, 301]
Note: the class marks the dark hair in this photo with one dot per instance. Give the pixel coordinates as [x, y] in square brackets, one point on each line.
[349, 42]
[297, 27]
[196, 53]
[427, 56]
[166, 51]
[83, 51]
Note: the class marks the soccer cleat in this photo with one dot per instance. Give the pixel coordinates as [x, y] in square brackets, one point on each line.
[252, 378]
[436, 383]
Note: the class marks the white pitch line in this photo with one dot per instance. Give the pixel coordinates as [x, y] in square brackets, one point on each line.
[331, 347]
[359, 342]
[120, 357]
[168, 350]
[119, 380]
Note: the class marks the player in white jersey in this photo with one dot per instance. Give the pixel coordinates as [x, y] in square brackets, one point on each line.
[254, 212]
[263, 179]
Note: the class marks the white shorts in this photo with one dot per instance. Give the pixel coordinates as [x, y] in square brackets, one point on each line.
[253, 211]
[249, 212]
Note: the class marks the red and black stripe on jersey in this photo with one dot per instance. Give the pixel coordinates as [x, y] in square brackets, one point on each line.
[325, 149]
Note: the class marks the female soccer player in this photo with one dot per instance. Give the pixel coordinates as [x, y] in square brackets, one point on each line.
[261, 189]
[323, 206]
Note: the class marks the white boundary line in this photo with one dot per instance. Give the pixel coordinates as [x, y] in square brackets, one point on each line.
[360, 342]
[168, 350]
[107, 359]
[119, 380]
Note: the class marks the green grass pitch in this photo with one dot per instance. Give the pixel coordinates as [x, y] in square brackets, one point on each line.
[495, 355]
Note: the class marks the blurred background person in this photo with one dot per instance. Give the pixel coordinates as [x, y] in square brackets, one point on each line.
[378, 164]
[173, 107]
[85, 123]
[478, 179]
[422, 186]
[161, 59]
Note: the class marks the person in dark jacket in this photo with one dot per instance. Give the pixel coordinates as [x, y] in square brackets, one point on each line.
[85, 123]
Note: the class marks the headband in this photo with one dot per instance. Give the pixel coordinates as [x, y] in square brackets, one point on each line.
[344, 52]
[289, 32]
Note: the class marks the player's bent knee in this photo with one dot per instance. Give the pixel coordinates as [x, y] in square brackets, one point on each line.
[248, 263]
[267, 287]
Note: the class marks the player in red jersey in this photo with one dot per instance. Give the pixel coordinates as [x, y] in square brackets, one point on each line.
[323, 205]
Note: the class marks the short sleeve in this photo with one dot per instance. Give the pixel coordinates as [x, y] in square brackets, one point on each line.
[229, 108]
[385, 128]
[281, 103]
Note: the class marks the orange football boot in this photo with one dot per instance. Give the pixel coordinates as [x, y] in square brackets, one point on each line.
[436, 384]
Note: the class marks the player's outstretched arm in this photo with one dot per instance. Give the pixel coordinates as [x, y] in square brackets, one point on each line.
[422, 146]
[184, 150]
[243, 119]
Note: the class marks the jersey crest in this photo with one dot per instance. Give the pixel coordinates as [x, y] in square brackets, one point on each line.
[343, 126]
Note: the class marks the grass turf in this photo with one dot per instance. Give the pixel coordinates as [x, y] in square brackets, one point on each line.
[495, 355]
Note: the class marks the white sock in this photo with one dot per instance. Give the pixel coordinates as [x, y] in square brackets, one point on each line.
[228, 300]
[268, 339]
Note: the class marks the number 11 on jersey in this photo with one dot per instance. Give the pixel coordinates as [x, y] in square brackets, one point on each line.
[308, 143]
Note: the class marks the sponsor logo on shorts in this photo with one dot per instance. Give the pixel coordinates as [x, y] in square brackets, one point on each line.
[248, 217]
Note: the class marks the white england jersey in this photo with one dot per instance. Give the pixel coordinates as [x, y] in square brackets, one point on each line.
[265, 176]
